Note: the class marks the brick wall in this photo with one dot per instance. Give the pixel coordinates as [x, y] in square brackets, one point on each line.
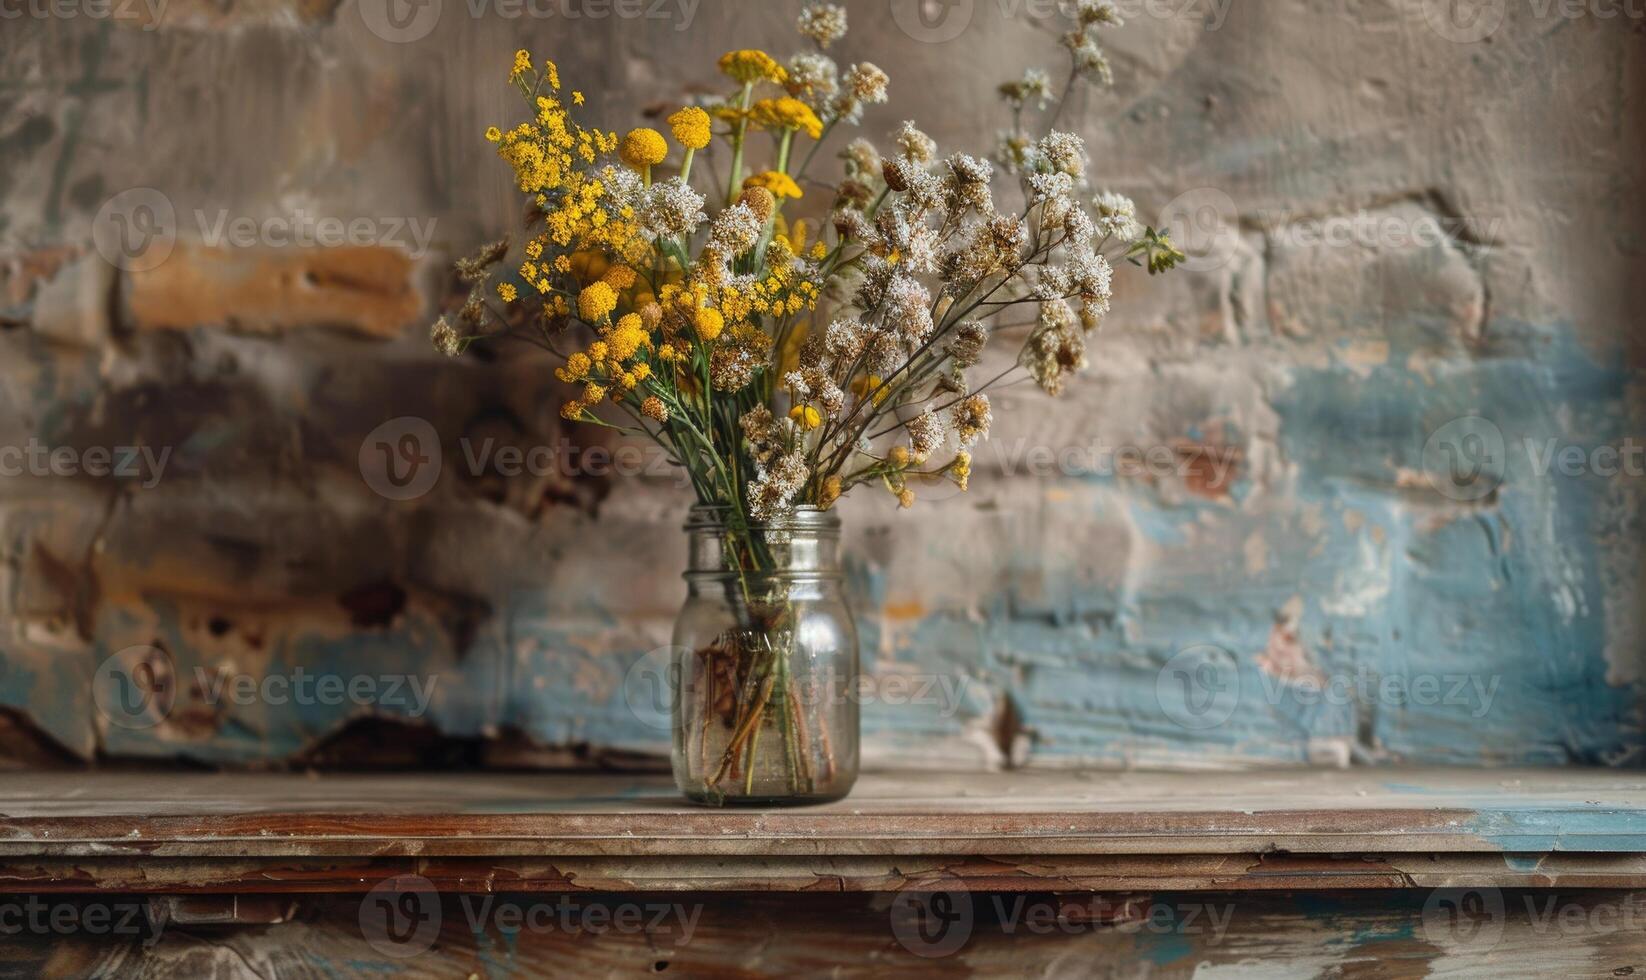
[1416, 242]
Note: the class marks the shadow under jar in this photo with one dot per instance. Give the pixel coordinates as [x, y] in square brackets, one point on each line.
[765, 663]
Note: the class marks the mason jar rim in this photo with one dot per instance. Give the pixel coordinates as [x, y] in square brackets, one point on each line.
[802, 517]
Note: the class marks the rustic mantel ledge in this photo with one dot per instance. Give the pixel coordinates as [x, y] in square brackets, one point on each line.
[1097, 831]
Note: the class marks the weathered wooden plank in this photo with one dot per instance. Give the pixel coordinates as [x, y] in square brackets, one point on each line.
[1406, 934]
[475, 815]
[1001, 873]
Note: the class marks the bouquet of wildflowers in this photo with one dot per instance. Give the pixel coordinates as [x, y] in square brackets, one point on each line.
[782, 361]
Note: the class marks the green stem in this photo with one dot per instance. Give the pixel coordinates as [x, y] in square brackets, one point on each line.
[737, 143]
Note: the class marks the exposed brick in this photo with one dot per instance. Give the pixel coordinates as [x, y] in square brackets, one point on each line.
[363, 289]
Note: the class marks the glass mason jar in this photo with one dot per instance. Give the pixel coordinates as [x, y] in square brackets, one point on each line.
[765, 663]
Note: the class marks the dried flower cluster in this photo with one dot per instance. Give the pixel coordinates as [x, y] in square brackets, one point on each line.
[784, 361]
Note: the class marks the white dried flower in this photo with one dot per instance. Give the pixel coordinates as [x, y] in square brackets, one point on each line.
[1091, 278]
[773, 488]
[824, 23]
[735, 230]
[445, 338]
[1035, 86]
[864, 85]
[1089, 60]
[862, 159]
[926, 434]
[971, 419]
[1097, 13]
[965, 349]
[1056, 349]
[813, 78]
[672, 209]
[1117, 217]
[909, 310]
[916, 145]
[1063, 153]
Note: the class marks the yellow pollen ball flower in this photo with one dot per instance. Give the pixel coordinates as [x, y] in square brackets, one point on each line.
[619, 277]
[779, 184]
[643, 148]
[506, 291]
[750, 65]
[596, 302]
[709, 323]
[806, 416]
[691, 127]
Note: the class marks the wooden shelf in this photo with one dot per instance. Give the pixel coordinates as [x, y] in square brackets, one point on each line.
[1019, 831]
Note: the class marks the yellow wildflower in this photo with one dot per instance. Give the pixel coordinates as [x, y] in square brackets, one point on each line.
[690, 127]
[898, 457]
[643, 148]
[619, 277]
[961, 468]
[806, 416]
[750, 65]
[779, 184]
[577, 367]
[905, 498]
[596, 302]
[870, 385]
[506, 290]
[572, 411]
[522, 64]
[625, 341]
[593, 394]
[493, 134]
[786, 112]
[709, 323]
[653, 408]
